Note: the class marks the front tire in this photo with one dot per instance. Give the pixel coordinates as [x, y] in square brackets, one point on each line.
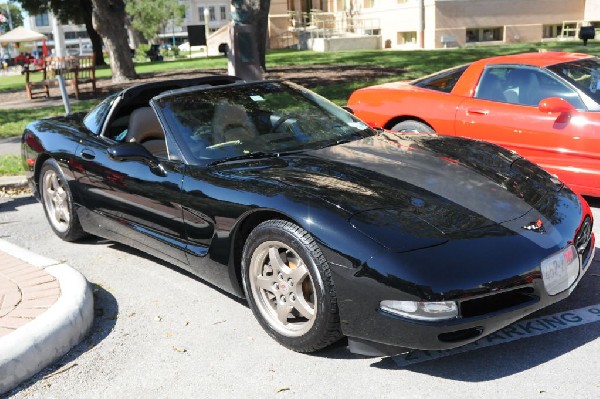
[58, 202]
[289, 287]
[412, 126]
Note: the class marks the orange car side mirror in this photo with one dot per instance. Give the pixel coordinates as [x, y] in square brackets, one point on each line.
[552, 105]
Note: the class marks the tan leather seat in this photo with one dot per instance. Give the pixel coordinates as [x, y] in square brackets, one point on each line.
[144, 128]
[231, 122]
[524, 89]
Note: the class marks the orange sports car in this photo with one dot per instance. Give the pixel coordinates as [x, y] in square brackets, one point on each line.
[545, 106]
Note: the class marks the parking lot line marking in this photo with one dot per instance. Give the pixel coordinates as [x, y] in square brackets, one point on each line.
[521, 329]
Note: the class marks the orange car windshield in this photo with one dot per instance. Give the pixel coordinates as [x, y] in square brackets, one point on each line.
[584, 74]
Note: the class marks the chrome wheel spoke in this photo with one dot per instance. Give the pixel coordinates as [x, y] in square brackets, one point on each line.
[303, 307]
[298, 274]
[266, 283]
[64, 214]
[275, 260]
[54, 183]
[283, 311]
[61, 194]
[58, 214]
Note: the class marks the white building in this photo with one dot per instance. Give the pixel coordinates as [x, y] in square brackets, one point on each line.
[77, 40]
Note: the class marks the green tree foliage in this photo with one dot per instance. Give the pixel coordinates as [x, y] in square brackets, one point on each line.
[76, 11]
[16, 16]
[151, 17]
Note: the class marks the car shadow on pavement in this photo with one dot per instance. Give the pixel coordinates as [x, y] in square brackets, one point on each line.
[106, 311]
[492, 363]
[10, 204]
[133, 251]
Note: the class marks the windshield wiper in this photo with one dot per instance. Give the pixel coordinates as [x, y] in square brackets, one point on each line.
[330, 143]
[254, 155]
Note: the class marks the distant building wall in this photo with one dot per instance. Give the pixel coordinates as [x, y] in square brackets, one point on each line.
[449, 23]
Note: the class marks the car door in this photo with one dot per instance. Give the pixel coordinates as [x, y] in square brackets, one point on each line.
[132, 199]
[504, 110]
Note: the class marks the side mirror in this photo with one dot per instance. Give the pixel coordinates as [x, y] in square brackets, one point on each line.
[553, 105]
[131, 152]
[136, 152]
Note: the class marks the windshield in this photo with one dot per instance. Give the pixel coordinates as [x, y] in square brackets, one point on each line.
[259, 118]
[584, 74]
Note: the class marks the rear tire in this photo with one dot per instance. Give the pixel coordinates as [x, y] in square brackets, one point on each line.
[412, 126]
[289, 287]
[58, 202]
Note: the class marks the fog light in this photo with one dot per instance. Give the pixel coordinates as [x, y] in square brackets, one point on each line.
[421, 310]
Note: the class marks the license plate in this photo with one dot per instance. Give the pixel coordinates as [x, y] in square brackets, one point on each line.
[560, 270]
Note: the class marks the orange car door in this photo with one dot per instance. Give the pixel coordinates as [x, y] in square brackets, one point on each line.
[504, 111]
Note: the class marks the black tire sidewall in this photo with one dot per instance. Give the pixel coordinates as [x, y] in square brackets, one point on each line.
[411, 125]
[288, 233]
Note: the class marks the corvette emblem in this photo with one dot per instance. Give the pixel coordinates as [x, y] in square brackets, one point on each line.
[537, 226]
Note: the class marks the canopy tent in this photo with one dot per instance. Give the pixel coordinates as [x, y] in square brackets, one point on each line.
[20, 34]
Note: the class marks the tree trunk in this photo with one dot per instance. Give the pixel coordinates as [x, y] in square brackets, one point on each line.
[255, 13]
[261, 25]
[86, 7]
[109, 22]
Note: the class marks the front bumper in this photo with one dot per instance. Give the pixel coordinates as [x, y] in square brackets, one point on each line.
[386, 334]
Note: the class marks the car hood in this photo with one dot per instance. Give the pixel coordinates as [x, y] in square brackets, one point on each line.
[436, 187]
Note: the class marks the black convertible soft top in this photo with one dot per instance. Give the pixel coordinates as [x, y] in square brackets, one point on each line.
[165, 85]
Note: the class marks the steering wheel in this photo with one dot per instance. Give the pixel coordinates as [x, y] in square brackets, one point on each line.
[280, 122]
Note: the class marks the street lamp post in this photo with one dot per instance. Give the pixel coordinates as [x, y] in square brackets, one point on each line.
[206, 28]
[173, 28]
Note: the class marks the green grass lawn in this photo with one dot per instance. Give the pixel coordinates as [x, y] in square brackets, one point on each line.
[10, 165]
[416, 63]
[13, 121]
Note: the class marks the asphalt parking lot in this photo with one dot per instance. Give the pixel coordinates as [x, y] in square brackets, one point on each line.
[161, 332]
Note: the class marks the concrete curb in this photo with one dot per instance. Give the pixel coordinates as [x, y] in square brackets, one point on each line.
[30, 348]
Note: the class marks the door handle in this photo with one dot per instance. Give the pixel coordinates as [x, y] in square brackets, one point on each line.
[88, 154]
[477, 111]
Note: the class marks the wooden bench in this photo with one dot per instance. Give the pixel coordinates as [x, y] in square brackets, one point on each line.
[36, 81]
[75, 70]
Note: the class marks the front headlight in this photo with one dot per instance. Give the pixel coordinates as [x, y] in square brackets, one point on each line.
[560, 271]
[427, 311]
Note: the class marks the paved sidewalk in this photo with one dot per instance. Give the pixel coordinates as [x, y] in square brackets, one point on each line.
[26, 292]
[46, 308]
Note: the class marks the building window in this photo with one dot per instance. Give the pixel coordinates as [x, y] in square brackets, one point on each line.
[223, 13]
[568, 30]
[42, 20]
[211, 13]
[485, 35]
[407, 37]
[551, 31]
[201, 14]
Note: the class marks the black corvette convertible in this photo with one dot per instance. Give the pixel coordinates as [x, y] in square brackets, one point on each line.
[327, 227]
